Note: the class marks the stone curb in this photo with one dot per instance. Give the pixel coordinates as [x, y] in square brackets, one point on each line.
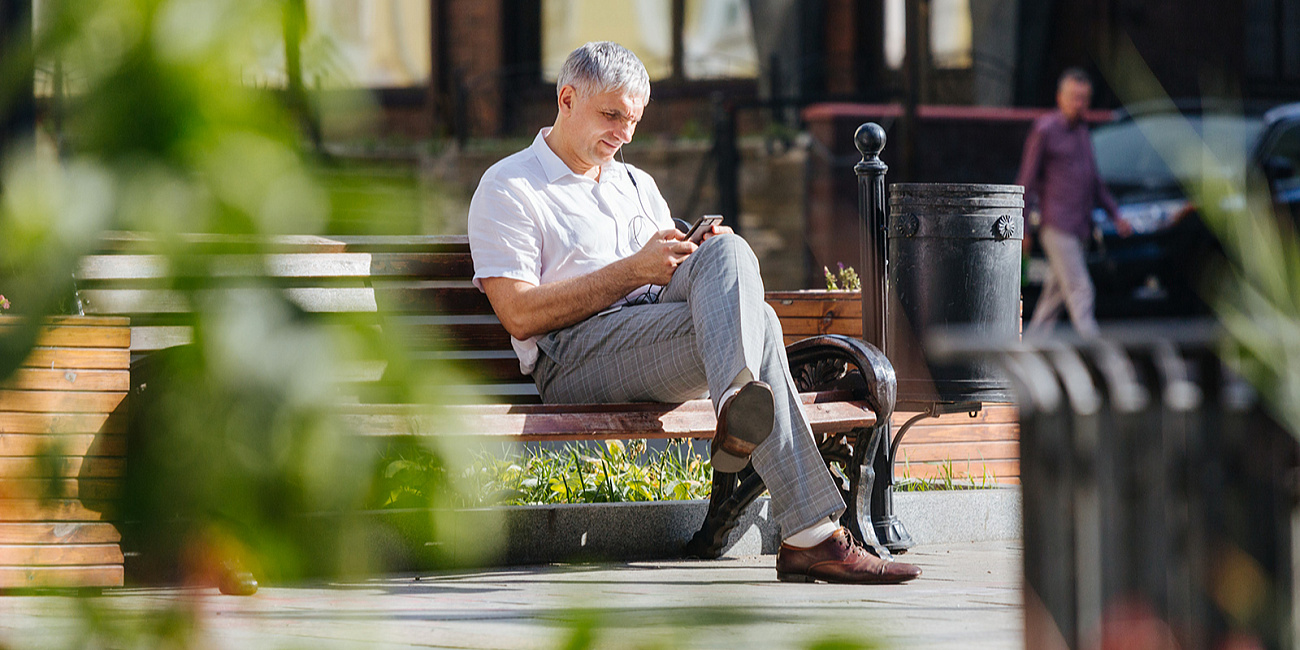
[658, 530]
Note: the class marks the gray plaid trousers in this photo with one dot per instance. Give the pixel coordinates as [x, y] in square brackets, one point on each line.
[710, 323]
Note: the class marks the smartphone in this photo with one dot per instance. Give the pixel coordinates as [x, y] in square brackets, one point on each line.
[705, 224]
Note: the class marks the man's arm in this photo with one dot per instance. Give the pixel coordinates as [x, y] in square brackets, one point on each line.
[1103, 197]
[527, 310]
[1030, 162]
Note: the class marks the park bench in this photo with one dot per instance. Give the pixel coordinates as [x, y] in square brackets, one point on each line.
[421, 285]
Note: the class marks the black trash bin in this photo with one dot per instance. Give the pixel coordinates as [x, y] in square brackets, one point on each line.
[953, 261]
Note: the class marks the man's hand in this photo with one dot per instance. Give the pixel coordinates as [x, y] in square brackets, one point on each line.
[1122, 225]
[716, 230]
[656, 262]
[527, 309]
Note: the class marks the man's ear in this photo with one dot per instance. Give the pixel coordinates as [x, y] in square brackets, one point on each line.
[566, 98]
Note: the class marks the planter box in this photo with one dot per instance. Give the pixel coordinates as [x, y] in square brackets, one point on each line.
[984, 446]
[813, 312]
[62, 455]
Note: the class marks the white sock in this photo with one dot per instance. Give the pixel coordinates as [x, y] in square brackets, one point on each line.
[812, 535]
[739, 382]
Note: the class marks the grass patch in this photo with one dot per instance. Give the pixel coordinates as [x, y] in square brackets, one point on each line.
[946, 480]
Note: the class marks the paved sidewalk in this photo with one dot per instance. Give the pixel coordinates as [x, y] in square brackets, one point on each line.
[969, 597]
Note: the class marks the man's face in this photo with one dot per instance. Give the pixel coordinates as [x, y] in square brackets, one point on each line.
[1073, 98]
[600, 123]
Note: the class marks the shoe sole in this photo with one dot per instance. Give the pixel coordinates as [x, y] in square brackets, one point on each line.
[794, 577]
[800, 577]
[751, 415]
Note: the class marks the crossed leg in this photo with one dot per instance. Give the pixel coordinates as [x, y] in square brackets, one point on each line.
[710, 327]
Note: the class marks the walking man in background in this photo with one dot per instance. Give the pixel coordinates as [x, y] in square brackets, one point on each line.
[606, 302]
[1059, 172]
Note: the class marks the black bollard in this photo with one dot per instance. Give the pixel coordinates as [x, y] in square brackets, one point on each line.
[870, 140]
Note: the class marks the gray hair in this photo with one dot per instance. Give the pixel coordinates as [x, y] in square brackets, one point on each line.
[602, 66]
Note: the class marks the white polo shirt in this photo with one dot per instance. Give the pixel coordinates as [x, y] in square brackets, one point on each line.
[534, 219]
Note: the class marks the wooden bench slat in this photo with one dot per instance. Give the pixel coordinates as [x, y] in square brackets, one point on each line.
[103, 268]
[443, 297]
[796, 305]
[962, 433]
[68, 321]
[493, 370]
[446, 243]
[43, 401]
[465, 336]
[72, 336]
[988, 414]
[803, 328]
[59, 533]
[63, 466]
[78, 358]
[59, 555]
[1000, 471]
[694, 419]
[468, 334]
[68, 488]
[60, 423]
[822, 397]
[56, 510]
[960, 451]
[166, 301]
[61, 379]
[63, 444]
[27, 577]
[128, 242]
[133, 242]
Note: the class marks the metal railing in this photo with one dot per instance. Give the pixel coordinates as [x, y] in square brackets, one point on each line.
[1159, 494]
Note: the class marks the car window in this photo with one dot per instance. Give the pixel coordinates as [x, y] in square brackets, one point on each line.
[1287, 145]
[1127, 152]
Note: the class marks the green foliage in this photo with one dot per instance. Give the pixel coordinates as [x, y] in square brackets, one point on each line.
[834, 643]
[412, 476]
[163, 135]
[845, 279]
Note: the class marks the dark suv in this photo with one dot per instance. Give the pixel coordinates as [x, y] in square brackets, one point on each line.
[1155, 271]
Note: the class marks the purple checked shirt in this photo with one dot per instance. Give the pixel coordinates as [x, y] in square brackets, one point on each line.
[1059, 172]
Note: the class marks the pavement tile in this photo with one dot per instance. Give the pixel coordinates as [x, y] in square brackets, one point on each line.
[969, 597]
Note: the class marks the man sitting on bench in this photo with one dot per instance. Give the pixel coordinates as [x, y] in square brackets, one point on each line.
[606, 301]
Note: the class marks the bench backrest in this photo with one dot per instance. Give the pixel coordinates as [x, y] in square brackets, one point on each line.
[418, 284]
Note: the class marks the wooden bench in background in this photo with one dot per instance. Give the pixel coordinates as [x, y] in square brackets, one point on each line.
[420, 286]
[62, 449]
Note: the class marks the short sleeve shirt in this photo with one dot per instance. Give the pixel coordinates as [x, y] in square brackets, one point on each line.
[534, 219]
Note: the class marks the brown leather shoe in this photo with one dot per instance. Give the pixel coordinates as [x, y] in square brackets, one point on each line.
[744, 422]
[840, 559]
